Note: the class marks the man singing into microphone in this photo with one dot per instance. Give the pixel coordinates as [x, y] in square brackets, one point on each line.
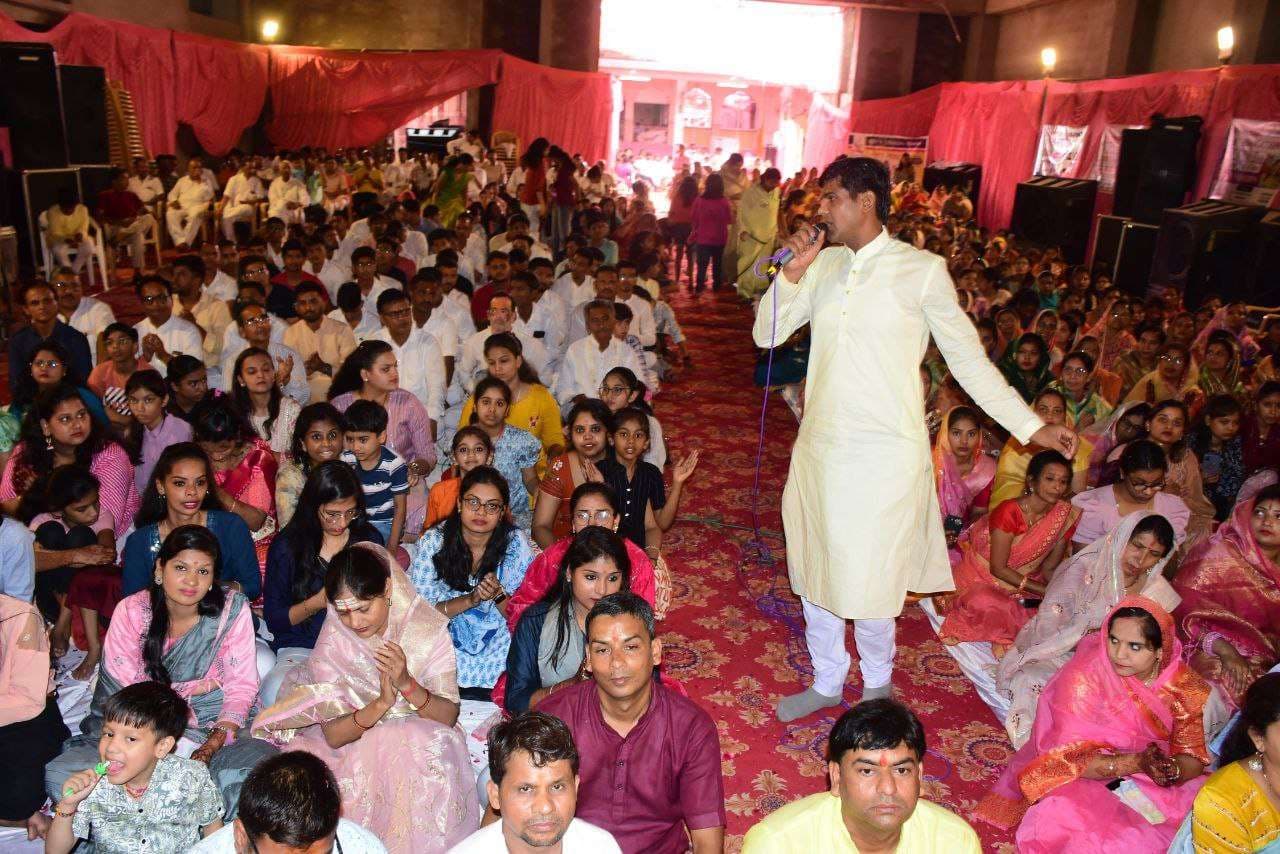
[860, 508]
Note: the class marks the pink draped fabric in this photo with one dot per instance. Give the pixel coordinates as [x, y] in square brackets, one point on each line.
[995, 125]
[1243, 92]
[1088, 709]
[140, 58]
[570, 108]
[826, 135]
[336, 98]
[207, 71]
[909, 115]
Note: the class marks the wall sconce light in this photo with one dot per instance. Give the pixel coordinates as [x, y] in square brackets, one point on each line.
[1226, 44]
[270, 29]
[1048, 60]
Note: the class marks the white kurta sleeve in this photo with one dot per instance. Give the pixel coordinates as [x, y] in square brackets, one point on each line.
[433, 377]
[793, 309]
[968, 363]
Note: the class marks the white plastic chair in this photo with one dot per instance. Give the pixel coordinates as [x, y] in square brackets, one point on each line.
[91, 235]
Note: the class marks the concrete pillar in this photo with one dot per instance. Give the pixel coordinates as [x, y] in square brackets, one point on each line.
[569, 34]
[980, 53]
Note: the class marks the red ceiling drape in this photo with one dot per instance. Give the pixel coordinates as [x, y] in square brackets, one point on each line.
[995, 125]
[343, 98]
[909, 115]
[140, 58]
[569, 108]
[208, 70]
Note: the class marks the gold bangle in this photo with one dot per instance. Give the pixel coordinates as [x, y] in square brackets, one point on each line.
[355, 720]
[59, 812]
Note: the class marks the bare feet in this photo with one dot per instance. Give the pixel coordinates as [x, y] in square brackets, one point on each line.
[85, 668]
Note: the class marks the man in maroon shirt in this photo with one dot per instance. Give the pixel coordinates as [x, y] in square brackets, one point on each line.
[499, 270]
[649, 757]
[124, 218]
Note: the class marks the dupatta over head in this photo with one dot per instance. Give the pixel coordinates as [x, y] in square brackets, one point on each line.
[341, 676]
[1230, 590]
[956, 492]
[1083, 591]
[1088, 709]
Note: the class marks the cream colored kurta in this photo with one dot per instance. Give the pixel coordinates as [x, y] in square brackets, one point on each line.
[859, 508]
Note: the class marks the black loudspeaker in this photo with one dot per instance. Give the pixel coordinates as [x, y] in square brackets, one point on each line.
[1266, 263]
[84, 111]
[30, 107]
[1167, 170]
[1135, 251]
[1055, 212]
[1106, 242]
[1133, 150]
[965, 176]
[1202, 250]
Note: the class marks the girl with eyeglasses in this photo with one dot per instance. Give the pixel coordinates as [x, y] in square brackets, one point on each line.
[48, 367]
[330, 516]
[471, 447]
[466, 567]
[1173, 378]
[1085, 405]
[1143, 470]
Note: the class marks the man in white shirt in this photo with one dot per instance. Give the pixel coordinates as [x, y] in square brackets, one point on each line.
[544, 320]
[456, 302]
[240, 199]
[443, 240]
[642, 324]
[324, 342]
[417, 353]
[414, 246]
[161, 334]
[518, 226]
[430, 316]
[86, 315]
[364, 272]
[221, 265]
[287, 196]
[330, 273]
[188, 205]
[254, 325]
[468, 242]
[471, 364]
[291, 796]
[576, 286]
[469, 143]
[209, 314]
[588, 360]
[533, 783]
[250, 290]
[605, 287]
[144, 182]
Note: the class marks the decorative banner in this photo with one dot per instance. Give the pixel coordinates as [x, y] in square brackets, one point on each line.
[903, 155]
[1250, 170]
[1058, 150]
[1107, 161]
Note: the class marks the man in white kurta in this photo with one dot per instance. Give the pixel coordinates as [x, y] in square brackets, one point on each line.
[188, 205]
[240, 199]
[757, 228]
[860, 509]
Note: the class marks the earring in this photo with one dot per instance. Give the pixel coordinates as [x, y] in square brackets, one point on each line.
[1255, 762]
[159, 578]
[162, 495]
[48, 442]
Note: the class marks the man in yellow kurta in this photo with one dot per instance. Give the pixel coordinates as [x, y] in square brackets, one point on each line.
[756, 228]
[875, 758]
[860, 509]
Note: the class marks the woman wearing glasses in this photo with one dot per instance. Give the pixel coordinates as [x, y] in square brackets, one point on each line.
[1143, 470]
[466, 566]
[330, 516]
[1085, 406]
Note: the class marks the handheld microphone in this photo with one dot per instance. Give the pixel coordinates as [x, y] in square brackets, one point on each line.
[783, 256]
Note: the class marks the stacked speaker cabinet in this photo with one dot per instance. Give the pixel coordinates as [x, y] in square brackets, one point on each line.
[1266, 263]
[31, 107]
[1157, 167]
[84, 110]
[1204, 248]
[955, 176]
[1055, 212]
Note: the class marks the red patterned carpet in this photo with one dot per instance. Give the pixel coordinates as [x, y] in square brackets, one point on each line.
[733, 634]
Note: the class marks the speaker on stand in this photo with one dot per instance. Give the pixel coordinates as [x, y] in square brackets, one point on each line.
[1157, 167]
[1135, 253]
[31, 106]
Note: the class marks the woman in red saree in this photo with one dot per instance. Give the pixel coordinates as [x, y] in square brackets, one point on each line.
[962, 472]
[1125, 707]
[244, 469]
[1230, 587]
[1009, 555]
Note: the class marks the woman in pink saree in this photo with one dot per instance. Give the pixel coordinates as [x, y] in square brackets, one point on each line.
[1009, 555]
[962, 472]
[1125, 706]
[378, 702]
[1230, 587]
[244, 469]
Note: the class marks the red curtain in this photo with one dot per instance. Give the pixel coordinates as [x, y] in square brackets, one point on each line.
[343, 98]
[140, 58]
[995, 125]
[1095, 104]
[570, 108]
[1244, 92]
[909, 115]
[208, 72]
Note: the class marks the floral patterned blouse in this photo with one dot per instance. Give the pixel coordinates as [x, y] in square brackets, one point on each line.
[180, 799]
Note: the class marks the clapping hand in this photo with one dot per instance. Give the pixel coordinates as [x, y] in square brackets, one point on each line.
[284, 370]
[392, 663]
[487, 589]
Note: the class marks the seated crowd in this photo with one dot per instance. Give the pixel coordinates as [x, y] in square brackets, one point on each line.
[379, 486]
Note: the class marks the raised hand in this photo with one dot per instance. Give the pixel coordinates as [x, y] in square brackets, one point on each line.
[685, 467]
